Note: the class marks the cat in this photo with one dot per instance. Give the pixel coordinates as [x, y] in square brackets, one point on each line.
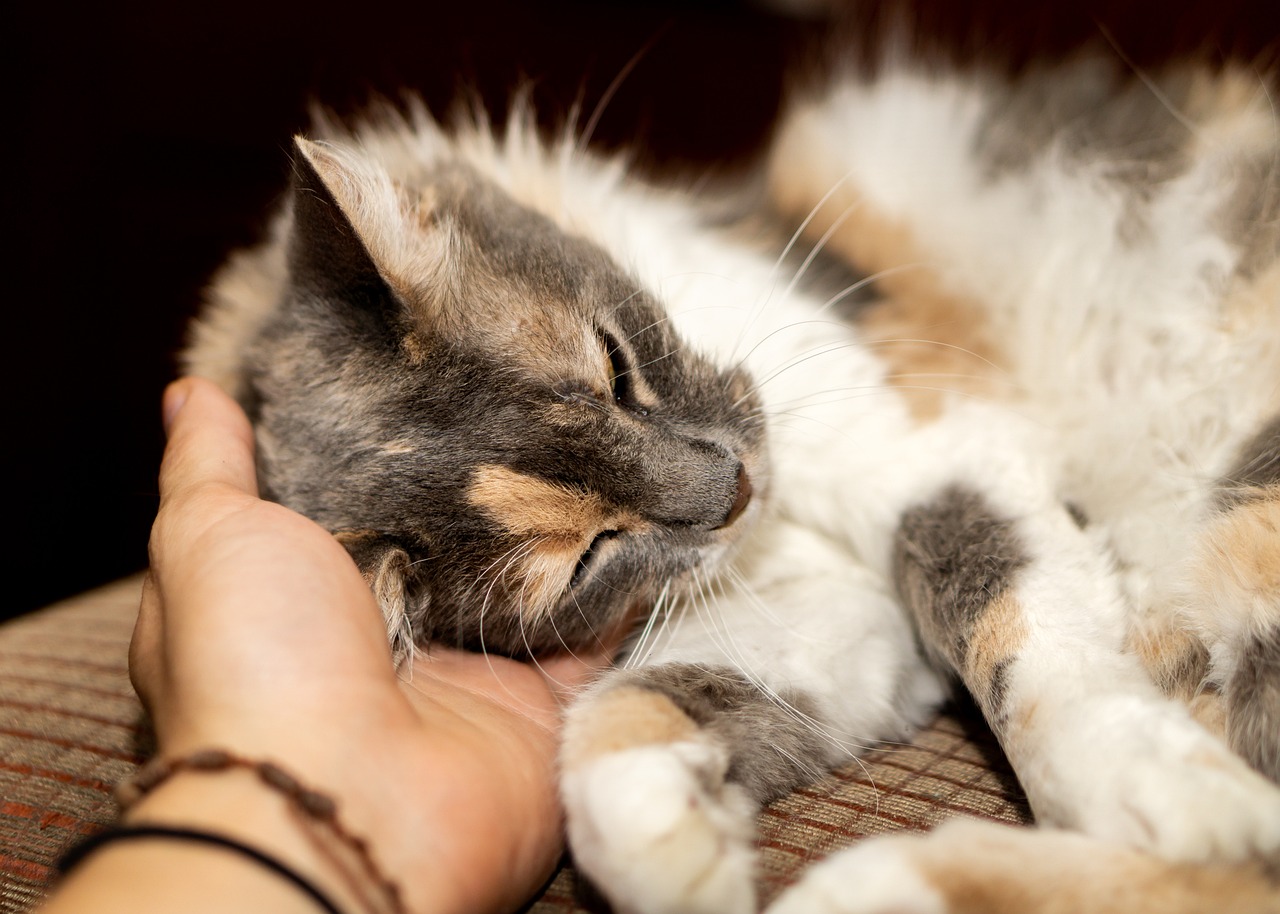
[1034, 450]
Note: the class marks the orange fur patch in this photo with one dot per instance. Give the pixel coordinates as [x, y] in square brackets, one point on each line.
[985, 869]
[932, 339]
[997, 635]
[527, 506]
[1240, 558]
[554, 522]
[1175, 658]
[624, 718]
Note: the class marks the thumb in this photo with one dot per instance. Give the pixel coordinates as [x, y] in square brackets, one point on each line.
[210, 440]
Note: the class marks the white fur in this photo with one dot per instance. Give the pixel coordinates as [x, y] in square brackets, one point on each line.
[644, 824]
[1132, 387]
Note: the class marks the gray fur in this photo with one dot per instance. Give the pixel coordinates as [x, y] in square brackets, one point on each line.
[1092, 112]
[774, 744]
[375, 406]
[1256, 469]
[1253, 703]
[952, 557]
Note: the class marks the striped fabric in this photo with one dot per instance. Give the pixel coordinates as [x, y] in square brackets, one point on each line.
[70, 727]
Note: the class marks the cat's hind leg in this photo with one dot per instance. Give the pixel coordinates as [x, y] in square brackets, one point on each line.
[971, 867]
[1233, 600]
[755, 687]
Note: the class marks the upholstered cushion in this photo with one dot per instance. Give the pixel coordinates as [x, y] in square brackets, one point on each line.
[70, 727]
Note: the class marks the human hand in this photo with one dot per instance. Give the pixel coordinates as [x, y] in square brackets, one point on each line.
[257, 634]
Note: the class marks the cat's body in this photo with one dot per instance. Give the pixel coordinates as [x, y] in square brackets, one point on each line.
[531, 391]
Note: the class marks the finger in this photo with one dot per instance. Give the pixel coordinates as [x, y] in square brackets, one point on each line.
[210, 440]
[144, 647]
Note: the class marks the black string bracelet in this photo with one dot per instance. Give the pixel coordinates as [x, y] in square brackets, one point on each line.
[78, 852]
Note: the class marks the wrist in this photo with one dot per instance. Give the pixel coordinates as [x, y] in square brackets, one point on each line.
[235, 804]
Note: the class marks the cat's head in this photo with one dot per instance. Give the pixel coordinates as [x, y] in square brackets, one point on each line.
[494, 417]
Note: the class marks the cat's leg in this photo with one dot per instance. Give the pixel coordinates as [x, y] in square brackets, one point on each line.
[1013, 596]
[971, 867]
[1230, 599]
[759, 685]
[1017, 599]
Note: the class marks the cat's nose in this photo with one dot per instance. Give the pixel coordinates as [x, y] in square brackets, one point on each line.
[740, 500]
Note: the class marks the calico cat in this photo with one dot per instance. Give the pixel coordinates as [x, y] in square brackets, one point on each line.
[1035, 450]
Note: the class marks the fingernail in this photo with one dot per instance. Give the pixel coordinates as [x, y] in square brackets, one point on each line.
[175, 396]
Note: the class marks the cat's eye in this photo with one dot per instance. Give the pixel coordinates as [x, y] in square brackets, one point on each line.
[590, 556]
[616, 366]
[619, 372]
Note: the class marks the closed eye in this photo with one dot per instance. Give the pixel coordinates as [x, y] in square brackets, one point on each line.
[590, 557]
[618, 367]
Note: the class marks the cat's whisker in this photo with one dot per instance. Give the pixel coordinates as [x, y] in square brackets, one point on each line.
[865, 281]
[1156, 92]
[843, 741]
[925, 341]
[653, 361]
[818, 247]
[616, 306]
[800, 359]
[638, 650]
[739, 580]
[584, 139]
[768, 300]
[804, 223]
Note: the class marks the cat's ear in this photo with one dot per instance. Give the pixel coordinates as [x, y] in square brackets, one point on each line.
[387, 569]
[358, 236]
[328, 251]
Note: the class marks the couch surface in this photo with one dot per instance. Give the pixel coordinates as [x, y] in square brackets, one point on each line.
[71, 727]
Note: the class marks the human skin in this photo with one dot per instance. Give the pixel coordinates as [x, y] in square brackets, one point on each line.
[257, 634]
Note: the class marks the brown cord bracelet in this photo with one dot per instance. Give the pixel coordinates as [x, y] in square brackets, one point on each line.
[83, 849]
[314, 805]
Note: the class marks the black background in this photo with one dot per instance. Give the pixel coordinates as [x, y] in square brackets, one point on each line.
[147, 139]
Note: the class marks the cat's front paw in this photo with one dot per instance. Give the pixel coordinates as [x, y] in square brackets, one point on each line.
[657, 830]
[1162, 784]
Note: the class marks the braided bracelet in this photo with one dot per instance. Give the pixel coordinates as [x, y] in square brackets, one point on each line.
[314, 805]
[134, 832]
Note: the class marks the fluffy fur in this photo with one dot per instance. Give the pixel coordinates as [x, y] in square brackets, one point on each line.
[532, 391]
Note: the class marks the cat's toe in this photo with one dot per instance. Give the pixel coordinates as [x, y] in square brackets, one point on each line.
[657, 835]
[1180, 794]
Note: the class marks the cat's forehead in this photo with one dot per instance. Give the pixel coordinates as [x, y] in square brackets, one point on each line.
[516, 281]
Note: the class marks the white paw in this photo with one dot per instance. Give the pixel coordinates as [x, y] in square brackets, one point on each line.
[875, 877]
[657, 831]
[1158, 782]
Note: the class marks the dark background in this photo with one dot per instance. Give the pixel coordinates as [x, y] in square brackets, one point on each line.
[147, 139]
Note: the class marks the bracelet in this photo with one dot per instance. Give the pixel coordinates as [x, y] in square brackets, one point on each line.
[312, 804]
[133, 832]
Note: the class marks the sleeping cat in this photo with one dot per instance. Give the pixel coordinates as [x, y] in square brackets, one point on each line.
[1034, 449]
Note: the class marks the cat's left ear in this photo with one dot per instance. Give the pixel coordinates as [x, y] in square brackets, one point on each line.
[386, 567]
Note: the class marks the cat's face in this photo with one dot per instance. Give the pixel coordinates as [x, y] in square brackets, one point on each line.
[501, 425]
